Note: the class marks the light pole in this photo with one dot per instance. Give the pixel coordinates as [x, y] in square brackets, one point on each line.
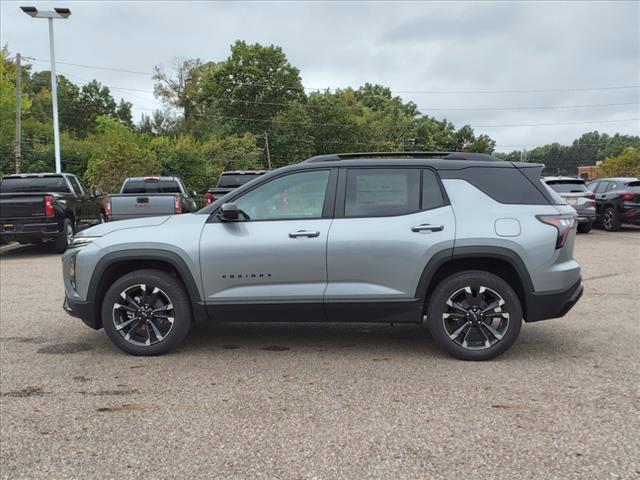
[56, 13]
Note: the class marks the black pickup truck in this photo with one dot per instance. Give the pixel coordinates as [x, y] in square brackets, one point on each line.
[38, 207]
[230, 181]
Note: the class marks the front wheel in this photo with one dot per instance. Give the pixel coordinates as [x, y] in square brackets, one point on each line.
[474, 315]
[146, 312]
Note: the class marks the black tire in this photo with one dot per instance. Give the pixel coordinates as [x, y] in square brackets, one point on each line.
[585, 227]
[173, 331]
[610, 220]
[64, 239]
[443, 320]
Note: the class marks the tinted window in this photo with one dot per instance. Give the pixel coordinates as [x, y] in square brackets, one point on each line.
[382, 192]
[34, 184]
[431, 192]
[504, 185]
[76, 185]
[600, 186]
[568, 186]
[299, 195]
[151, 186]
[635, 186]
[234, 181]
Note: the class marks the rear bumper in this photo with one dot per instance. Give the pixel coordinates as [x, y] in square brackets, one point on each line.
[547, 305]
[82, 310]
[27, 232]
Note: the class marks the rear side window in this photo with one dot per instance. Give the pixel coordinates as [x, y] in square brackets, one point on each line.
[151, 186]
[504, 185]
[76, 186]
[34, 184]
[382, 192]
[432, 196]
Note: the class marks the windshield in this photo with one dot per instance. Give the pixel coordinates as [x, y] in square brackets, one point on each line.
[568, 186]
[151, 186]
[234, 181]
[34, 184]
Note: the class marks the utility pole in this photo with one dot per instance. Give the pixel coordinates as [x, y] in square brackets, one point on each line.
[54, 97]
[18, 112]
[266, 142]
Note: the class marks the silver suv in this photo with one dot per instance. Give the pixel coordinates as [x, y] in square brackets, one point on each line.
[465, 244]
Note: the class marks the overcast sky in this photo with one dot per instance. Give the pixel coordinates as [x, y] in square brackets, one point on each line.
[443, 56]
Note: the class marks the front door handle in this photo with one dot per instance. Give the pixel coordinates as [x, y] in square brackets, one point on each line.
[425, 227]
[304, 233]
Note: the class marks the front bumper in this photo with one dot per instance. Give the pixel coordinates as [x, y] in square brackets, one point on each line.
[547, 305]
[82, 310]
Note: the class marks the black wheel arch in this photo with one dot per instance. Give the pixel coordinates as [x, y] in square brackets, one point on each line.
[116, 264]
[501, 261]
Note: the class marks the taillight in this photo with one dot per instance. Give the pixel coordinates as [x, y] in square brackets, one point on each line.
[178, 204]
[48, 206]
[208, 197]
[628, 197]
[563, 223]
[107, 207]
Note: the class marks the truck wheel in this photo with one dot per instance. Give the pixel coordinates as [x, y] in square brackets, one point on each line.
[474, 315]
[585, 227]
[146, 312]
[65, 238]
[610, 220]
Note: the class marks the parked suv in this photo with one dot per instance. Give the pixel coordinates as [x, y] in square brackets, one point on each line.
[466, 244]
[575, 193]
[617, 201]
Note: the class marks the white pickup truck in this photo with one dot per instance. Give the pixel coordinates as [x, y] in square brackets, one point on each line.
[148, 197]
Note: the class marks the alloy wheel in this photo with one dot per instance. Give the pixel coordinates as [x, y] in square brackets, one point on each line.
[609, 217]
[475, 318]
[145, 316]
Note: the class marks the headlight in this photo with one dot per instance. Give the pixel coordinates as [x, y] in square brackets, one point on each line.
[78, 242]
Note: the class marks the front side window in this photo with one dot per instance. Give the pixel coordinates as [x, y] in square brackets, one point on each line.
[298, 195]
[380, 192]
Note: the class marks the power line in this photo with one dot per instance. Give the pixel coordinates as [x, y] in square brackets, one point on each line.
[435, 92]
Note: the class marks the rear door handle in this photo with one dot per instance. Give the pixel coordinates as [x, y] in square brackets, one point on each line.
[304, 233]
[425, 227]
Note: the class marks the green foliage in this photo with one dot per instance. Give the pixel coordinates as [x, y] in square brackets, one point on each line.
[627, 164]
[252, 86]
[117, 153]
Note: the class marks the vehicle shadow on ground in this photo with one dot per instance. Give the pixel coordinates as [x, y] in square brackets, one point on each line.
[12, 251]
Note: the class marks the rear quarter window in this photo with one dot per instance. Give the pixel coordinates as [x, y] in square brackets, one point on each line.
[504, 185]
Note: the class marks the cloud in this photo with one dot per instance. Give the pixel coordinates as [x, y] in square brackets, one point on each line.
[409, 46]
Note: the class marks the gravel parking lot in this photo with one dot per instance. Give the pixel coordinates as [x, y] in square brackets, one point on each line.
[310, 401]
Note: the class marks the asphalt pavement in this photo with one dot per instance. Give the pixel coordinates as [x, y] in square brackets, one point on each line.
[322, 401]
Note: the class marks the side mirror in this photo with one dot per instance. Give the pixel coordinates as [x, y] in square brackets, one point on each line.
[97, 192]
[194, 194]
[229, 212]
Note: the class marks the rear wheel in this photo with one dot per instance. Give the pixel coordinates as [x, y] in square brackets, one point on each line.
[146, 312]
[610, 220]
[585, 227]
[474, 315]
[65, 238]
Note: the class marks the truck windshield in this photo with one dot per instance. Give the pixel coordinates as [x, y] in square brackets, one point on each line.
[234, 181]
[34, 185]
[151, 186]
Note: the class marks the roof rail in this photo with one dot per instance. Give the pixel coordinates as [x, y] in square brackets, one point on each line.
[334, 157]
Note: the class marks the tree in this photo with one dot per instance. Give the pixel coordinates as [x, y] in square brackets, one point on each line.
[627, 164]
[182, 87]
[117, 153]
[251, 87]
[232, 153]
